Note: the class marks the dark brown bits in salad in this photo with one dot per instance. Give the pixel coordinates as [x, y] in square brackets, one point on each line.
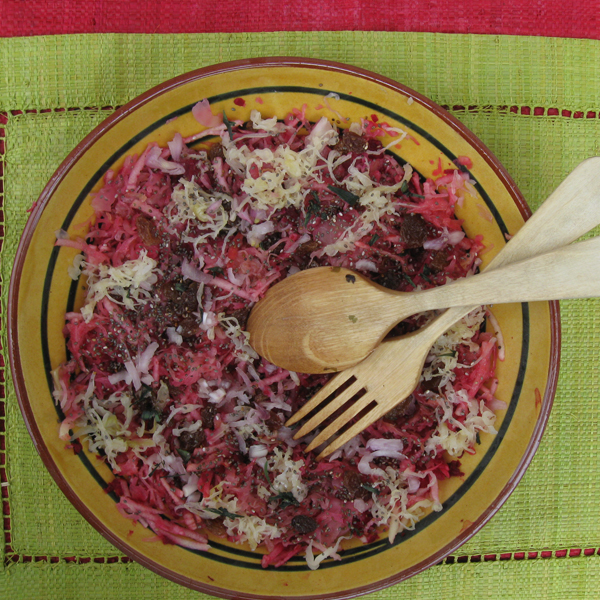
[189, 327]
[405, 409]
[216, 527]
[439, 261]
[208, 414]
[391, 274]
[352, 487]
[413, 231]
[304, 524]
[241, 315]
[215, 151]
[269, 242]
[147, 230]
[180, 303]
[308, 248]
[302, 254]
[351, 142]
[190, 440]
[273, 422]
[180, 291]
[431, 385]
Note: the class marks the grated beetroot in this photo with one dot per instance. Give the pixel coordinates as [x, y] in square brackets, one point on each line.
[163, 382]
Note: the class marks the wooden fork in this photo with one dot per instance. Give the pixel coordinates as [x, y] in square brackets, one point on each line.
[392, 371]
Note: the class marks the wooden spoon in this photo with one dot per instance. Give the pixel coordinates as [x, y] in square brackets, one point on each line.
[327, 319]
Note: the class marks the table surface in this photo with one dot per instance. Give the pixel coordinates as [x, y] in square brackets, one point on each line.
[524, 77]
[550, 18]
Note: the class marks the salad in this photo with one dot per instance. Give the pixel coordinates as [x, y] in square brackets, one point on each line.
[161, 379]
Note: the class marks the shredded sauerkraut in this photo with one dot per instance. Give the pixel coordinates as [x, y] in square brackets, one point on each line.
[163, 382]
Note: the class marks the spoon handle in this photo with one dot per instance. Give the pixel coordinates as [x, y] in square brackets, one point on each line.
[569, 212]
[569, 272]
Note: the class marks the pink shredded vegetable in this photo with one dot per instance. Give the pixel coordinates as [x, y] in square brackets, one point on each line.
[162, 381]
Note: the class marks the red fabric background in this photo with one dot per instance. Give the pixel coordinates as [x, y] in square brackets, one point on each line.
[558, 18]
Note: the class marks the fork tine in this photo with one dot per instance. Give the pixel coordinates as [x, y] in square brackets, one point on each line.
[366, 420]
[346, 416]
[333, 384]
[329, 409]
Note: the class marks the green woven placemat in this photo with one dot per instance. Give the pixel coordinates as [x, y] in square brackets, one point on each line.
[53, 90]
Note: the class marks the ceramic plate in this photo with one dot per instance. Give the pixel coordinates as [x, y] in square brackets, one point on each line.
[41, 292]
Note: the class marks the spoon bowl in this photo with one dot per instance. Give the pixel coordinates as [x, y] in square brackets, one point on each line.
[300, 321]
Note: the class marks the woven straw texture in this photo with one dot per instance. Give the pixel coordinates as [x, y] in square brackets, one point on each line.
[518, 17]
[534, 101]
